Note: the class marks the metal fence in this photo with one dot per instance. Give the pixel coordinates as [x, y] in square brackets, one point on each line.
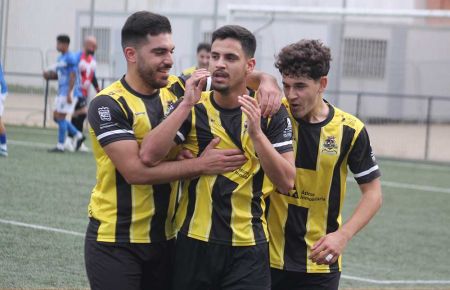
[400, 126]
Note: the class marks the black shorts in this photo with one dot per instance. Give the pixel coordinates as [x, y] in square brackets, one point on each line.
[81, 103]
[111, 266]
[206, 266]
[282, 280]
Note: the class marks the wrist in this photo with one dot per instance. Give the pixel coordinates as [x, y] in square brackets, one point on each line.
[346, 233]
[186, 103]
[257, 136]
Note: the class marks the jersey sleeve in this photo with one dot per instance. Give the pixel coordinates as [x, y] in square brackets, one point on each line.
[185, 128]
[361, 159]
[279, 131]
[109, 121]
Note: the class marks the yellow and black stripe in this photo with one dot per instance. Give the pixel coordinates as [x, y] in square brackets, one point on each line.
[118, 211]
[228, 208]
[313, 209]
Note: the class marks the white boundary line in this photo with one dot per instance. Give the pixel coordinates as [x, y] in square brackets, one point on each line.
[29, 144]
[389, 282]
[407, 164]
[361, 279]
[38, 227]
[410, 186]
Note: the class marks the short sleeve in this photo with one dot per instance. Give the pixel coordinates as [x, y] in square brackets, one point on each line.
[109, 121]
[361, 159]
[279, 131]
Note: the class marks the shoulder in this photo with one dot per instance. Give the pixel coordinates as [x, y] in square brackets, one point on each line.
[348, 119]
[115, 90]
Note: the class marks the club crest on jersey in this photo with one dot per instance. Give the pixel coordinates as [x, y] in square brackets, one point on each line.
[104, 114]
[329, 146]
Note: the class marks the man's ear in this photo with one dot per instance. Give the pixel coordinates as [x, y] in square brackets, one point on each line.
[130, 54]
[323, 83]
[251, 63]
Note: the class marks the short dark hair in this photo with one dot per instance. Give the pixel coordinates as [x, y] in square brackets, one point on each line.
[241, 34]
[306, 58]
[142, 23]
[63, 38]
[203, 46]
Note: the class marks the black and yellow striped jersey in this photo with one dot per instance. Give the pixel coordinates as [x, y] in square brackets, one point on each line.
[313, 209]
[229, 208]
[118, 211]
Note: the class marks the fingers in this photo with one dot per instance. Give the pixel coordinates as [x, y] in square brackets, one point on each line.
[322, 254]
[214, 142]
[198, 75]
[262, 97]
[250, 107]
[275, 105]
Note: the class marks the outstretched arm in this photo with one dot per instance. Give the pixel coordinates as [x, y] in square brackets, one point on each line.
[334, 243]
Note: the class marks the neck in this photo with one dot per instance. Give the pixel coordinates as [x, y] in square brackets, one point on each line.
[229, 99]
[319, 113]
[138, 84]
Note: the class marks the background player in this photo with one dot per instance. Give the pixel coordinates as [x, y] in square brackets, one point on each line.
[86, 67]
[66, 71]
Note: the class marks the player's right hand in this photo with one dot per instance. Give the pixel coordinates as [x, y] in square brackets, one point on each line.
[195, 85]
[217, 161]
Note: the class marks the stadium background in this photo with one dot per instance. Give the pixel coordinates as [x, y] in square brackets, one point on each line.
[390, 68]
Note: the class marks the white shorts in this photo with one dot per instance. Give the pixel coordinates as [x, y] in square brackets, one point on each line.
[2, 103]
[61, 106]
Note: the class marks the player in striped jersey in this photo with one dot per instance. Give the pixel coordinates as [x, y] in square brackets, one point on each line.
[307, 236]
[130, 237]
[222, 240]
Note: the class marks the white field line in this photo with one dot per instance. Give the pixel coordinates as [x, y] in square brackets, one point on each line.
[390, 282]
[39, 227]
[415, 165]
[361, 279]
[410, 186]
[29, 144]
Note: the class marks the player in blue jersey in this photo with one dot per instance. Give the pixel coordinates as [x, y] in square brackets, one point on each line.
[3, 93]
[66, 72]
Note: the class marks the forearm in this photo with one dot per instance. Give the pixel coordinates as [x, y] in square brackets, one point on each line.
[281, 171]
[164, 172]
[158, 142]
[256, 77]
[368, 206]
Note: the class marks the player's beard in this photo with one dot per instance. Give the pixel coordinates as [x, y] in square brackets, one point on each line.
[149, 75]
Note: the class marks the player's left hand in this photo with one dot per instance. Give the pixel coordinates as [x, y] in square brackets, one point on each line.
[252, 111]
[269, 97]
[327, 250]
[69, 99]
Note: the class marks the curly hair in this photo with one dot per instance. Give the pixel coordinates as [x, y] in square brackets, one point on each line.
[306, 58]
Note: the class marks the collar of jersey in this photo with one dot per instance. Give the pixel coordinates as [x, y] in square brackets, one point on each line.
[228, 111]
[320, 124]
[137, 94]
